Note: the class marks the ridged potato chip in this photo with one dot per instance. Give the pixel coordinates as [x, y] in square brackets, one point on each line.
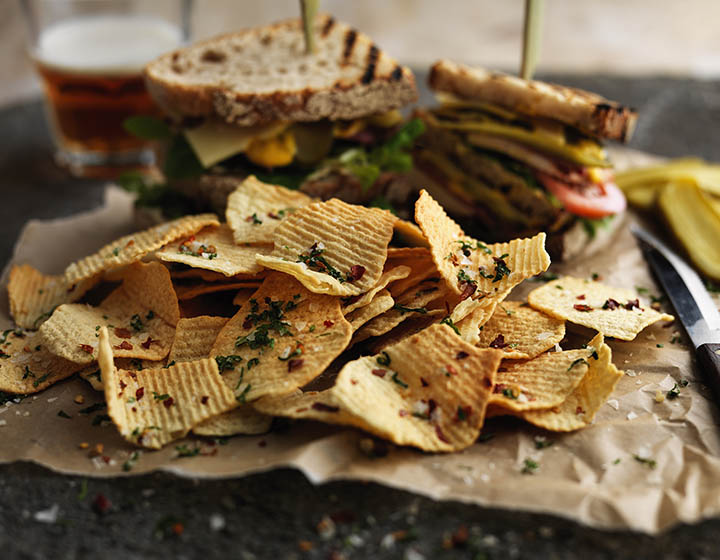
[34, 295]
[382, 302]
[581, 406]
[470, 267]
[393, 274]
[152, 407]
[332, 247]
[133, 247]
[407, 233]
[194, 338]
[521, 331]
[243, 420]
[255, 209]
[93, 375]
[281, 339]
[191, 291]
[542, 382]
[308, 405]
[214, 249]
[615, 312]
[429, 391]
[421, 266]
[470, 325]
[27, 366]
[141, 313]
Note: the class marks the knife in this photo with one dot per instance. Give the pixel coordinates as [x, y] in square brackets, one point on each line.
[694, 306]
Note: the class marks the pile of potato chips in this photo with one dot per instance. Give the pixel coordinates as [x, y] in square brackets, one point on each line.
[320, 310]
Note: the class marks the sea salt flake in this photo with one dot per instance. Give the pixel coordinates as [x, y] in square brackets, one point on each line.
[631, 415]
[613, 403]
[49, 515]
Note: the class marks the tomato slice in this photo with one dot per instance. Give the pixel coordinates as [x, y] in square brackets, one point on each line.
[596, 202]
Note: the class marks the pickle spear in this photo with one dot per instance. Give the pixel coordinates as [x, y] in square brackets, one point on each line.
[695, 223]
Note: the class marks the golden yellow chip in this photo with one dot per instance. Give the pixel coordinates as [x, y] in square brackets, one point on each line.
[542, 382]
[429, 391]
[470, 267]
[382, 302]
[190, 291]
[470, 325]
[133, 247]
[255, 209]
[308, 405]
[408, 305]
[93, 375]
[281, 339]
[333, 247]
[213, 249]
[615, 312]
[407, 233]
[141, 315]
[352, 303]
[421, 266]
[521, 331]
[580, 407]
[243, 420]
[34, 295]
[195, 337]
[26, 364]
[152, 407]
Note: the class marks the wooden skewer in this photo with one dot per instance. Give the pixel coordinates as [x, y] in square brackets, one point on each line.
[531, 37]
[309, 8]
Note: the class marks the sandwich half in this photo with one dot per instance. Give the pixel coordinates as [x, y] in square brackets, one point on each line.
[255, 103]
[511, 157]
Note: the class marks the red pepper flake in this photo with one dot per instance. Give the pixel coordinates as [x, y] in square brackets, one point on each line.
[487, 382]
[122, 332]
[101, 504]
[106, 459]
[611, 304]
[325, 407]
[328, 323]
[148, 342]
[122, 385]
[632, 303]
[262, 443]
[27, 348]
[432, 405]
[140, 393]
[440, 434]
[134, 409]
[204, 399]
[167, 403]
[71, 288]
[499, 388]
[582, 307]
[295, 363]
[450, 369]
[424, 383]
[461, 355]
[460, 537]
[579, 410]
[402, 413]
[581, 296]
[353, 381]
[499, 342]
[379, 372]
[86, 348]
[124, 345]
[468, 290]
[356, 272]
[130, 243]
[132, 374]
[178, 529]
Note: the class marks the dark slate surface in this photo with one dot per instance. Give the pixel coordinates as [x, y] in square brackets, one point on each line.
[276, 514]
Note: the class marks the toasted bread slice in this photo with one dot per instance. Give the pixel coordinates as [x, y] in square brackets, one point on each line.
[264, 74]
[586, 111]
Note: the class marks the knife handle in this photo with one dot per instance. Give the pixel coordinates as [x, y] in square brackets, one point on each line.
[708, 356]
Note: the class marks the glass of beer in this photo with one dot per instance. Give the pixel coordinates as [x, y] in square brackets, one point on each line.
[90, 55]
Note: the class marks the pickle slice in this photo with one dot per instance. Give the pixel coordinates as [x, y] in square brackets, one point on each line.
[706, 176]
[695, 223]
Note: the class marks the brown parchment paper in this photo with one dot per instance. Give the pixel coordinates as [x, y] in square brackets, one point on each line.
[590, 476]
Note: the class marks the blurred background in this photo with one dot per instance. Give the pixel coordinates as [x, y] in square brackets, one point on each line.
[624, 37]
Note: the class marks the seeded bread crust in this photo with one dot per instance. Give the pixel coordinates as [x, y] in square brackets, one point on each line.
[586, 111]
[263, 74]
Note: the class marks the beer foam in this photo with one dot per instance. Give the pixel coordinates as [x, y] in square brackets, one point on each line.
[110, 44]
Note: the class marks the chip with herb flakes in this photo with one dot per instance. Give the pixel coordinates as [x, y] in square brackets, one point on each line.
[469, 326]
[428, 391]
[381, 303]
[421, 265]
[34, 296]
[286, 336]
[616, 312]
[243, 420]
[540, 383]
[191, 291]
[521, 331]
[141, 315]
[27, 366]
[152, 407]
[390, 275]
[333, 247]
[134, 247]
[308, 405]
[471, 268]
[581, 406]
[214, 249]
[194, 337]
[255, 209]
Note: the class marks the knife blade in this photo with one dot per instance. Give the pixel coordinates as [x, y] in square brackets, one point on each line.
[693, 304]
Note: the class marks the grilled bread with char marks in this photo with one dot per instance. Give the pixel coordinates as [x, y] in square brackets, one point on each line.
[264, 74]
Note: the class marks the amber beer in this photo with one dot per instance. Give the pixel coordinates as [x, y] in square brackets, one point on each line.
[91, 69]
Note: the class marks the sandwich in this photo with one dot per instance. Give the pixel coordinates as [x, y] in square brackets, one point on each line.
[255, 103]
[512, 157]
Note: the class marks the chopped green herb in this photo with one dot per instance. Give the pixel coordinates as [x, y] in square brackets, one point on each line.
[449, 322]
[252, 363]
[130, 463]
[530, 466]
[404, 309]
[241, 398]
[315, 261]
[383, 359]
[225, 363]
[595, 276]
[542, 443]
[136, 323]
[63, 414]
[116, 251]
[93, 408]
[650, 463]
[100, 419]
[616, 461]
[169, 365]
[509, 394]
[544, 277]
[508, 312]
[82, 494]
[578, 362]
[312, 328]
[399, 381]
[185, 451]
[131, 400]
[150, 315]
[158, 397]
[254, 219]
